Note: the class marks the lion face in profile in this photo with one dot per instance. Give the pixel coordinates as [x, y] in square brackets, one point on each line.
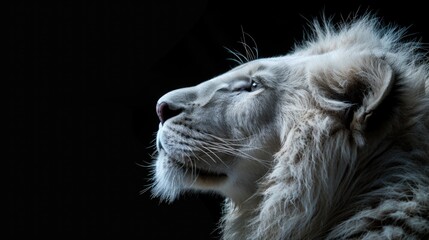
[303, 144]
[221, 134]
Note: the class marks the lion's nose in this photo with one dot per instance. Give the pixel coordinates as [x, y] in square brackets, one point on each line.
[166, 111]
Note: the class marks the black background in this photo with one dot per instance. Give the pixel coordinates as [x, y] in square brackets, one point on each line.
[83, 79]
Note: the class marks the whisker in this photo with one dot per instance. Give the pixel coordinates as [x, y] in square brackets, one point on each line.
[251, 55]
[220, 160]
[193, 171]
[208, 149]
[242, 55]
[228, 140]
[244, 44]
[198, 157]
[214, 154]
[239, 60]
[256, 53]
[143, 165]
[231, 146]
[233, 151]
[235, 60]
[248, 50]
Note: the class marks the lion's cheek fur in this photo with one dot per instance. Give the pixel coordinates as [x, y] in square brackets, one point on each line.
[253, 114]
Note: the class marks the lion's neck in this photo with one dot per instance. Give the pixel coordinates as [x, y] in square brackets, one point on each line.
[298, 197]
[295, 197]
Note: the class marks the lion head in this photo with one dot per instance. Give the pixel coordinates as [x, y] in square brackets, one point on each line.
[301, 144]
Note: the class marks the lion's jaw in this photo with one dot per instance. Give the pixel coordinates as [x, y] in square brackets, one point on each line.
[217, 136]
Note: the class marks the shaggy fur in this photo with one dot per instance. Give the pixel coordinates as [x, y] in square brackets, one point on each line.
[328, 142]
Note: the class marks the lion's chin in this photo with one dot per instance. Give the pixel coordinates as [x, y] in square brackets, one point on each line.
[172, 178]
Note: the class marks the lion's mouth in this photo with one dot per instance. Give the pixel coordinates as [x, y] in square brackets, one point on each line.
[209, 174]
[203, 176]
[200, 175]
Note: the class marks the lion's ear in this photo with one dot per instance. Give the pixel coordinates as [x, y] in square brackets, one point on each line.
[378, 76]
[358, 88]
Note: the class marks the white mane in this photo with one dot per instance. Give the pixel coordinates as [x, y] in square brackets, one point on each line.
[303, 197]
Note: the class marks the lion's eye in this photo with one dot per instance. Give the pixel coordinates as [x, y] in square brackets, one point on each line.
[253, 86]
[246, 86]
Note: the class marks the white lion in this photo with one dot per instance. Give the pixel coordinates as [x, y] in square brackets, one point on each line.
[328, 142]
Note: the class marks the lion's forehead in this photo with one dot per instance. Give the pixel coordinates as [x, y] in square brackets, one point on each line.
[271, 70]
